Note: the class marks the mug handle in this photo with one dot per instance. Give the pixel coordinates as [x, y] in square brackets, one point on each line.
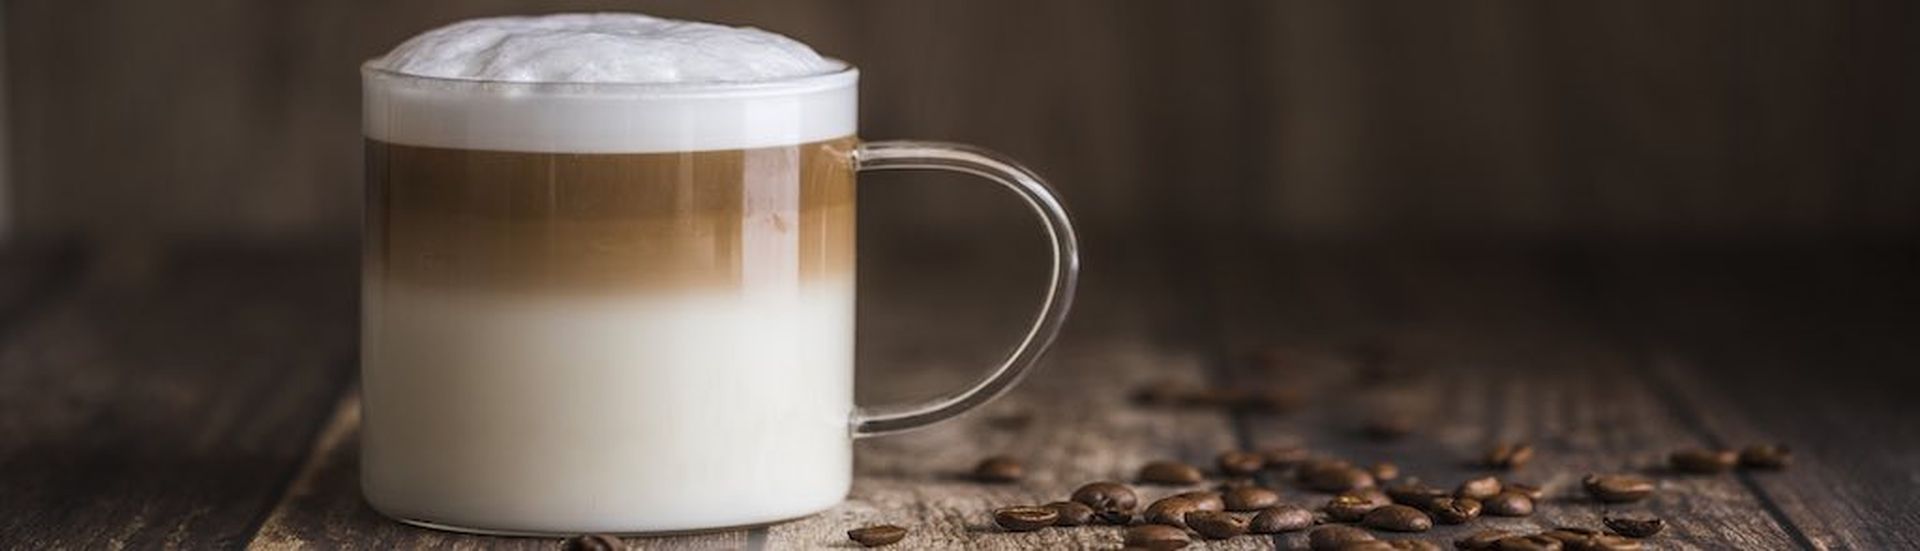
[1065, 272]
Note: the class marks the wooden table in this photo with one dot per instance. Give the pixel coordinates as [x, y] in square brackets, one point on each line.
[204, 396]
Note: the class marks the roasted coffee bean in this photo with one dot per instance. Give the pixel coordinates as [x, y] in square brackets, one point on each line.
[1569, 533]
[1766, 456]
[1454, 510]
[1509, 455]
[1111, 501]
[1236, 482]
[1369, 545]
[1388, 426]
[1157, 537]
[1349, 508]
[1071, 513]
[1617, 488]
[1280, 518]
[1535, 542]
[1384, 471]
[596, 542]
[1415, 494]
[1171, 511]
[875, 536]
[999, 469]
[1216, 525]
[1024, 518]
[1634, 527]
[1415, 545]
[1478, 488]
[1603, 542]
[1173, 473]
[1272, 400]
[1115, 518]
[1284, 457]
[1250, 498]
[1205, 500]
[1398, 518]
[1372, 495]
[1698, 461]
[1328, 538]
[1239, 463]
[1481, 540]
[1508, 504]
[1531, 491]
[1334, 477]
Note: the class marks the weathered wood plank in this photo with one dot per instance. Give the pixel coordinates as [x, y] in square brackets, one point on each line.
[1485, 348]
[167, 411]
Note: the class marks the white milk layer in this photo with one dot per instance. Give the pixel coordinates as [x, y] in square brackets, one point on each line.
[574, 415]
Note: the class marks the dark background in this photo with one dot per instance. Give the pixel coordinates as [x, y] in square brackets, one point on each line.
[1753, 122]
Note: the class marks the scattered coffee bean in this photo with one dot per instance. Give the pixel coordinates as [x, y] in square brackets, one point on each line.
[1509, 455]
[1369, 545]
[999, 469]
[1531, 491]
[1112, 502]
[1415, 545]
[1415, 494]
[1569, 533]
[1216, 525]
[1157, 537]
[1635, 527]
[1239, 463]
[1333, 476]
[1508, 504]
[1698, 461]
[1481, 540]
[1535, 542]
[1272, 400]
[1172, 473]
[1204, 500]
[1384, 471]
[1766, 456]
[1071, 513]
[1024, 518]
[1281, 518]
[1171, 511]
[1398, 518]
[1478, 488]
[1372, 495]
[1349, 507]
[1284, 457]
[1250, 498]
[1388, 426]
[1617, 488]
[1603, 542]
[1328, 538]
[1236, 482]
[595, 542]
[1454, 510]
[875, 536]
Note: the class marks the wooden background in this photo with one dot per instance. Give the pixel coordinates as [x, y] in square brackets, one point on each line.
[1743, 120]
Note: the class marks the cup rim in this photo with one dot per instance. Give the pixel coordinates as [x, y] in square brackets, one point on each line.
[846, 75]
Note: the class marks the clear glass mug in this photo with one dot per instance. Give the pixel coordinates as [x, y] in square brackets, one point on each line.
[629, 308]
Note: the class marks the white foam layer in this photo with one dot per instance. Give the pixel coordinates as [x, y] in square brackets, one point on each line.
[603, 47]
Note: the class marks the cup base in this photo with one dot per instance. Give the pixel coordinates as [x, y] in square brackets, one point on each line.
[638, 533]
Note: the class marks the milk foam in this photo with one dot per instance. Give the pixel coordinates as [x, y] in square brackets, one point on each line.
[605, 83]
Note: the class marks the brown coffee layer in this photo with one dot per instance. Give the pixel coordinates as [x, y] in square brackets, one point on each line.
[539, 222]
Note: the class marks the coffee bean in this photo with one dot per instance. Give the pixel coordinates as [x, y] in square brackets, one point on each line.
[1280, 518]
[1531, 491]
[1328, 538]
[1250, 498]
[1535, 542]
[1171, 511]
[1388, 426]
[1698, 461]
[1415, 494]
[1173, 473]
[1478, 488]
[1335, 476]
[1454, 510]
[1157, 537]
[999, 469]
[875, 536]
[1384, 471]
[1349, 508]
[1236, 482]
[1617, 488]
[1239, 463]
[1766, 456]
[1115, 518]
[1372, 495]
[1508, 504]
[1204, 500]
[1216, 525]
[1272, 400]
[1071, 513]
[1481, 540]
[1415, 545]
[1111, 501]
[1025, 518]
[1284, 457]
[1398, 518]
[1369, 545]
[1569, 533]
[1603, 542]
[1509, 455]
[595, 542]
[1634, 527]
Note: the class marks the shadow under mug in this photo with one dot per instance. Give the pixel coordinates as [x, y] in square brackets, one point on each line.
[628, 308]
